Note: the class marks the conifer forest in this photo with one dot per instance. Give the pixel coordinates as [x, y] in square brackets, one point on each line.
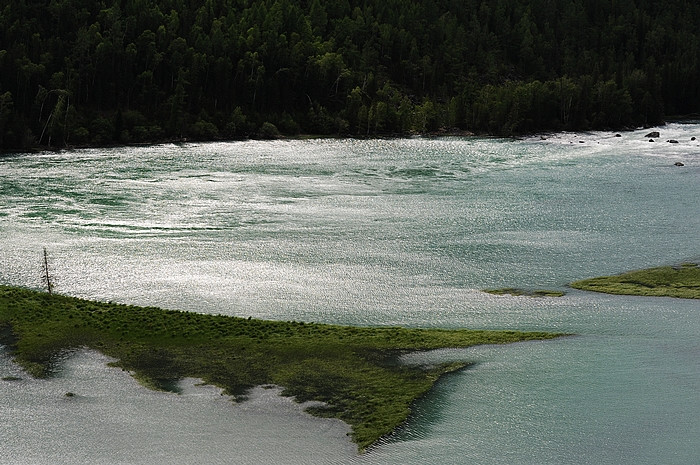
[84, 72]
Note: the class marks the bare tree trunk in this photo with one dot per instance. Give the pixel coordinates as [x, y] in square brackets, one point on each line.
[47, 276]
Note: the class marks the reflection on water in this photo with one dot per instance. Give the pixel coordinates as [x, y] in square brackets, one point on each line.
[375, 232]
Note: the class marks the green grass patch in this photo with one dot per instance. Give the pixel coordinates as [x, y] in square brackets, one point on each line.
[352, 369]
[524, 292]
[667, 281]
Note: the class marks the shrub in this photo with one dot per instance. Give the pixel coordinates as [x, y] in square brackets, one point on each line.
[268, 131]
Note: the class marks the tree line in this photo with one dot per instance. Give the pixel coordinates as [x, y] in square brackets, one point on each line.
[79, 72]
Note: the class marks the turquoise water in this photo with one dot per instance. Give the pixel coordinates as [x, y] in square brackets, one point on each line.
[379, 232]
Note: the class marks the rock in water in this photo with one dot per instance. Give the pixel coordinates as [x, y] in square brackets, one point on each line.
[653, 134]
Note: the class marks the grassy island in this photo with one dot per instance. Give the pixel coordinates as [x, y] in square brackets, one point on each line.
[352, 369]
[667, 281]
[524, 292]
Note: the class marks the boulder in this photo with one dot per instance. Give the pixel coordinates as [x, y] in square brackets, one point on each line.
[692, 138]
[651, 140]
[679, 163]
[672, 141]
[653, 134]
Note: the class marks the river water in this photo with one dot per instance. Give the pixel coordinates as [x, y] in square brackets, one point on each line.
[371, 232]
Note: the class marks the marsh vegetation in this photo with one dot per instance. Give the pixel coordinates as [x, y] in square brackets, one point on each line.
[353, 370]
[681, 281]
[524, 292]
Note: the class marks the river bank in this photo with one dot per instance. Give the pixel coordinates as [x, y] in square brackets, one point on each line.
[351, 369]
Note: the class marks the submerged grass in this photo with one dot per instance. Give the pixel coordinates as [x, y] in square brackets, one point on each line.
[523, 292]
[351, 369]
[667, 281]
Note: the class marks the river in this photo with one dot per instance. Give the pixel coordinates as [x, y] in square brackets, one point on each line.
[371, 232]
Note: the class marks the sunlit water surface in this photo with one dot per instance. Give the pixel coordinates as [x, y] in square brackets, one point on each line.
[377, 232]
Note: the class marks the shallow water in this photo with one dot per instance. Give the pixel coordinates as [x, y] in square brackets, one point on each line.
[380, 232]
[110, 419]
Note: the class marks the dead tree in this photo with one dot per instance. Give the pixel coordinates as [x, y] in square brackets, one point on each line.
[46, 275]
